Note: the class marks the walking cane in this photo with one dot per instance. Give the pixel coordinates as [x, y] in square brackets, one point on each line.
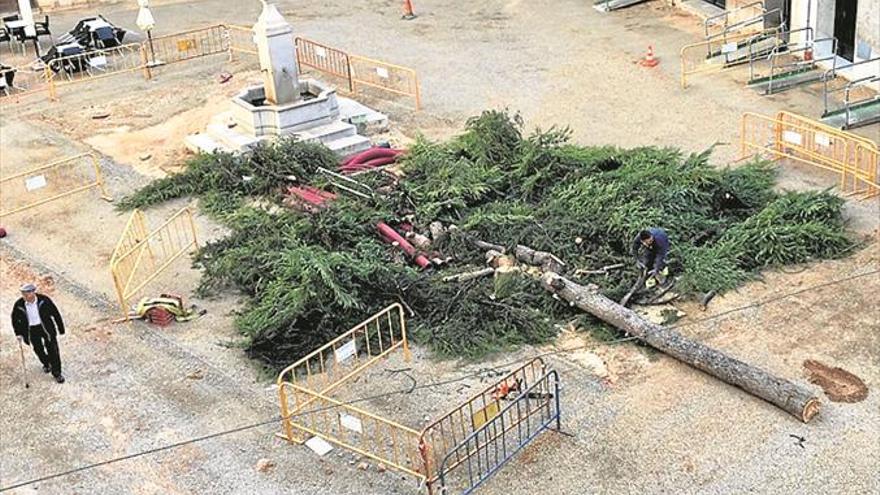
[23, 368]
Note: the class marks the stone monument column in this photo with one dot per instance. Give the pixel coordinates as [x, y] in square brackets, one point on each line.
[277, 51]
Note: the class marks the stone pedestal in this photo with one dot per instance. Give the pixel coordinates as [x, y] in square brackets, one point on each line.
[274, 38]
[284, 105]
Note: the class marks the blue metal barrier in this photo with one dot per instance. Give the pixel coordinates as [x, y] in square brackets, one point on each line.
[531, 408]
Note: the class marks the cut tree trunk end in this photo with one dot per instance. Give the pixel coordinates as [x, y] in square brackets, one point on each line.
[786, 395]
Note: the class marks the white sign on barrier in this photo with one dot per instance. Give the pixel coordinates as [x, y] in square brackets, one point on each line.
[351, 422]
[823, 139]
[319, 446]
[321, 52]
[382, 71]
[792, 137]
[346, 351]
[35, 182]
[729, 47]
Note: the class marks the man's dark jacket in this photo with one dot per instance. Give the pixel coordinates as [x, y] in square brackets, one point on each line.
[49, 315]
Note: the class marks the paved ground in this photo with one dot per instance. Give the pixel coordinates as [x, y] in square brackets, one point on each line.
[642, 422]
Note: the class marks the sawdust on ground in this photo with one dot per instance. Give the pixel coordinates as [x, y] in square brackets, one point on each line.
[837, 383]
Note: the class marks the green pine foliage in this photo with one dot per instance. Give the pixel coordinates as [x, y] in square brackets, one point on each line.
[306, 277]
[228, 177]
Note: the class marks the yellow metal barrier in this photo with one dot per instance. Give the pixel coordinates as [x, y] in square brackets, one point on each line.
[139, 257]
[18, 83]
[337, 361]
[308, 410]
[241, 40]
[187, 45]
[95, 64]
[719, 54]
[387, 77]
[46, 183]
[804, 140]
[352, 428]
[331, 61]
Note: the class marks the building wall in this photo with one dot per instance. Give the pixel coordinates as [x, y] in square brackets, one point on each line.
[821, 19]
[868, 28]
[66, 4]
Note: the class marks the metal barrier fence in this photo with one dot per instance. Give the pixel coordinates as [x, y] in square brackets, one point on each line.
[791, 59]
[391, 78]
[804, 140]
[720, 22]
[17, 83]
[139, 257]
[534, 410]
[308, 381]
[331, 61]
[445, 436]
[753, 17]
[241, 40]
[354, 73]
[308, 410]
[719, 54]
[93, 65]
[50, 182]
[179, 47]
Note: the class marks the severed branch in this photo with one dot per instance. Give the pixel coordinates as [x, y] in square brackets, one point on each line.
[546, 261]
[640, 283]
[464, 277]
[786, 395]
[601, 271]
[488, 246]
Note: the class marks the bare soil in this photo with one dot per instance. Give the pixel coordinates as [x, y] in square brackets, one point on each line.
[641, 422]
[837, 383]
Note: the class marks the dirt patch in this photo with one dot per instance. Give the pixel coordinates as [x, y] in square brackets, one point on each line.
[15, 271]
[152, 150]
[837, 383]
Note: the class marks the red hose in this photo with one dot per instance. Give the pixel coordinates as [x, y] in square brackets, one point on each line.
[370, 154]
[311, 195]
[391, 235]
[375, 162]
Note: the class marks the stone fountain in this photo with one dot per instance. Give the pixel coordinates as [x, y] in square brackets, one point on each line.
[285, 105]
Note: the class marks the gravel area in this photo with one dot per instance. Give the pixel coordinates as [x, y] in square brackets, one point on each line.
[639, 421]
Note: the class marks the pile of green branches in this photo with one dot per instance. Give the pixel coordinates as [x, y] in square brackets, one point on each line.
[308, 276]
[223, 179]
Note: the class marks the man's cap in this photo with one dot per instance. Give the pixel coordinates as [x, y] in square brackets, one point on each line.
[28, 288]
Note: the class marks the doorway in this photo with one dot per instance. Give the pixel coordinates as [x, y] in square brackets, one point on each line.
[845, 27]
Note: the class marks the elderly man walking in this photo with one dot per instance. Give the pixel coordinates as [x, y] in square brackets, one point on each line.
[37, 322]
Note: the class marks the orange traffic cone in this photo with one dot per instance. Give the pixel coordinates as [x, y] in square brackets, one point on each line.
[649, 60]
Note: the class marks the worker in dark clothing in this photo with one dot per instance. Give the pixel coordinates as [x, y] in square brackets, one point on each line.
[650, 248]
[37, 322]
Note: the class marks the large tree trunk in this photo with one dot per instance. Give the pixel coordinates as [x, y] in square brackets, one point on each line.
[783, 393]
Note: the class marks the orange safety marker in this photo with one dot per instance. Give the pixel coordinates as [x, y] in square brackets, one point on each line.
[649, 60]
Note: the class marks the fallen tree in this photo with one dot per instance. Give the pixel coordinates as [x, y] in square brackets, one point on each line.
[784, 394]
[306, 274]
